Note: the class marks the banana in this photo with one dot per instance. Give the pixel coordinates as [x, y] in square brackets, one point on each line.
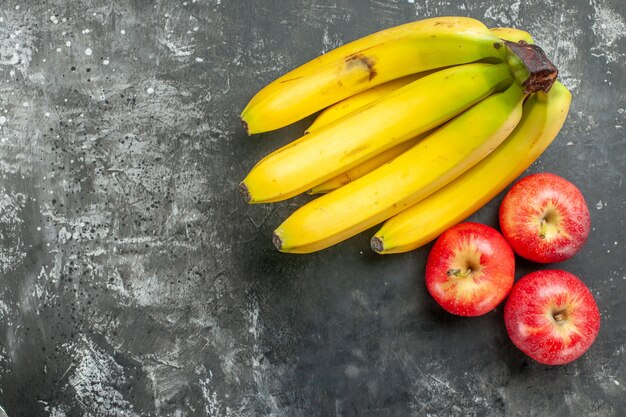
[418, 172]
[360, 100]
[543, 117]
[364, 167]
[375, 59]
[409, 111]
[350, 104]
[357, 101]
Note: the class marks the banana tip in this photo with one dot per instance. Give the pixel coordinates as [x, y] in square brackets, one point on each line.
[377, 244]
[243, 189]
[245, 126]
[277, 241]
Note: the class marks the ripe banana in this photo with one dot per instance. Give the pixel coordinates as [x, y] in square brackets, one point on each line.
[357, 101]
[367, 62]
[360, 100]
[418, 172]
[409, 111]
[543, 117]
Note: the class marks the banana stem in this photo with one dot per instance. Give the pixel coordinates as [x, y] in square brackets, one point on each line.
[530, 66]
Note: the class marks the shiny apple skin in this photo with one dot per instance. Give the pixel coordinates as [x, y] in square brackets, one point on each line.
[530, 311]
[492, 263]
[558, 201]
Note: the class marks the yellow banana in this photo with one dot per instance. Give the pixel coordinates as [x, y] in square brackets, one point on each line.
[393, 119]
[543, 117]
[338, 110]
[357, 101]
[512, 35]
[364, 167]
[418, 172]
[360, 100]
[370, 61]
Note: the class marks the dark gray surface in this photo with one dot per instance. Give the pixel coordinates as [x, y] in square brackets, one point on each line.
[134, 281]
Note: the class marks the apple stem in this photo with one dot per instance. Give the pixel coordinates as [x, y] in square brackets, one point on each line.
[542, 228]
[559, 316]
[457, 272]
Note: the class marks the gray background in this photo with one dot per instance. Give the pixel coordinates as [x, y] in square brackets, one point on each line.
[134, 280]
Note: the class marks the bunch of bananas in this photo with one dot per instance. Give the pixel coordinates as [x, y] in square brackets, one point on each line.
[422, 124]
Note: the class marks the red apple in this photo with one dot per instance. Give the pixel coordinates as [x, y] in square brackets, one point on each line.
[545, 218]
[470, 269]
[552, 317]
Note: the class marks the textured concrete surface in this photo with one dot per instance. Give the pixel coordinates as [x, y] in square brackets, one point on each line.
[134, 281]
